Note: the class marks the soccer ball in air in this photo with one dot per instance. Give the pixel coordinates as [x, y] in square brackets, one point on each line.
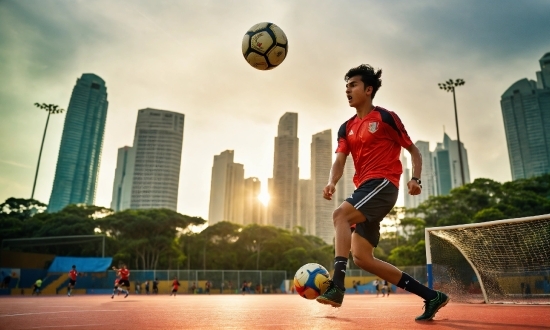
[311, 280]
[265, 46]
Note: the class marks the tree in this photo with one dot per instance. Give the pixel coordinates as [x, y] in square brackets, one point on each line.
[409, 255]
[51, 109]
[146, 235]
[15, 215]
[486, 200]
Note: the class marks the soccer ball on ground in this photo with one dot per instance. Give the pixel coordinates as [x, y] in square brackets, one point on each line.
[265, 46]
[311, 280]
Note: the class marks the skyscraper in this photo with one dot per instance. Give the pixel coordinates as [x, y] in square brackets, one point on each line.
[226, 190]
[321, 162]
[77, 167]
[408, 200]
[284, 197]
[447, 165]
[306, 217]
[428, 177]
[253, 212]
[345, 186]
[158, 142]
[440, 170]
[526, 112]
[124, 174]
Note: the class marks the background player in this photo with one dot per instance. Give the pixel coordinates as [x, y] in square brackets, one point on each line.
[124, 281]
[175, 286]
[72, 280]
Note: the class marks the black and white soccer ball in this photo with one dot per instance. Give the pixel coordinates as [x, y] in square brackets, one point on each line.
[265, 46]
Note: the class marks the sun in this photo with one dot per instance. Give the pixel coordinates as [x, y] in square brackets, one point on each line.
[264, 198]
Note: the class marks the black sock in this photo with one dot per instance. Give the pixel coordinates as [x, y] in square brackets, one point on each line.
[413, 286]
[340, 265]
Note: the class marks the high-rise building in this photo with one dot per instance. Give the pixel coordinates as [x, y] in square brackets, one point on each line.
[77, 167]
[124, 174]
[158, 142]
[408, 200]
[253, 212]
[321, 162]
[526, 112]
[269, 209]
[447, 165]
[345, 186]
[226, 190]
[428, 177]
[306, 217]
[440, 170]
[284, 198]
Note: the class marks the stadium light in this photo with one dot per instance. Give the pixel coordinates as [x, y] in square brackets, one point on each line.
[449, 86]
[50, 109]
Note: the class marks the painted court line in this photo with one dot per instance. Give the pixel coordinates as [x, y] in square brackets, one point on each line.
[57, 312]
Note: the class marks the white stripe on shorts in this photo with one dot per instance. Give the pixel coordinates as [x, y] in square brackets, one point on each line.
[372, 193]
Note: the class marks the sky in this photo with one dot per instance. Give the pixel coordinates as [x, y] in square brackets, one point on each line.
[185, 56]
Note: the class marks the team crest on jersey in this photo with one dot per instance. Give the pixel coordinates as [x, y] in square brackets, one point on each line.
[373, 127]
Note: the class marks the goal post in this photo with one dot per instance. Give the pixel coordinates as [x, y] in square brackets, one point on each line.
[502, 261]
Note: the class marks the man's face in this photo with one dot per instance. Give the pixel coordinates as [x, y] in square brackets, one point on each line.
[356, 92]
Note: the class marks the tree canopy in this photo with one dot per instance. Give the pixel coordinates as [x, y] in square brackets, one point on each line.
[164, 239]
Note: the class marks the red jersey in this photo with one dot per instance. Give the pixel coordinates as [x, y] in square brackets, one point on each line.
[375, 144]
[72, 274]
[175, 284]
[124, 273]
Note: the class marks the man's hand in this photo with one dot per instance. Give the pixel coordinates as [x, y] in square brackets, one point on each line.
[328, 191]
[414, 187]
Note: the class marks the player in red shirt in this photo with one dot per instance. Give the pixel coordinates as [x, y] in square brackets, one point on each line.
[374, 136]
[175, 286]
[124, 280]
[73, 273]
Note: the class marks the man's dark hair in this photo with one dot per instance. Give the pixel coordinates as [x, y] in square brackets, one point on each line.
[369, 76]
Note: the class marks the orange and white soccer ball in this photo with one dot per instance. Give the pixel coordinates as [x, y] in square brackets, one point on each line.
[265, 46]
[311, 280]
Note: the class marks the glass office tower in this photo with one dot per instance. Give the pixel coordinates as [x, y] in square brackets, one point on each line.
[77, 168]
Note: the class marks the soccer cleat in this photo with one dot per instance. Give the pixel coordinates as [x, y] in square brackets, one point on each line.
[431, 307]
[127, 293]
[112, 296]
[333, 296]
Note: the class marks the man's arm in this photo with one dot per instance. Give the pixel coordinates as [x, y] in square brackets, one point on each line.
[414, 186]
[336, 172]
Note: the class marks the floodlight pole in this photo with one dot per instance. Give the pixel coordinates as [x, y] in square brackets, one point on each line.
[449, 86]
[51, 109]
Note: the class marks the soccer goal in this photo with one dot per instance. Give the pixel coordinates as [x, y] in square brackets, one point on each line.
[503, 261]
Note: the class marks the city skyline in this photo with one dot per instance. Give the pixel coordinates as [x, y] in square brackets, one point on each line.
[177, 57]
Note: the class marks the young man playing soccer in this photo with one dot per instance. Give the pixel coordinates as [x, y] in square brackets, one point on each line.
[124, 281]
[374, 136]
[72, 280]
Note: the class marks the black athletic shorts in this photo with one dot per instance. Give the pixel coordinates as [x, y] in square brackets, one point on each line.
[124, 283]
[374, 198]
[72, 282]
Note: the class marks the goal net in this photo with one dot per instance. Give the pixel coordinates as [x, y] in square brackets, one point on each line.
[503, 261]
